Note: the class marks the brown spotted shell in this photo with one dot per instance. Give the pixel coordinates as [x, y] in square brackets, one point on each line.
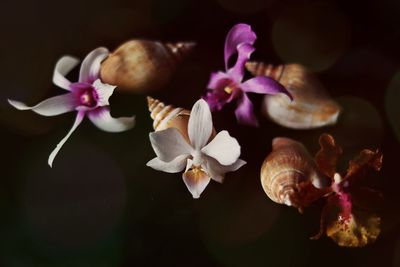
[141, 66]
[311, 107]
[289, 175]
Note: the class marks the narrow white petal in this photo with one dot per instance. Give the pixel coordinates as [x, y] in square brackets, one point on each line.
[101, 117]
[169, 143]
[90, 67]
[50, 107]
[200, 124]
[104, 92]
[78, 120]
[224, 148]
[196, 180]
[173, 166]
[217, 171]
[63, 66]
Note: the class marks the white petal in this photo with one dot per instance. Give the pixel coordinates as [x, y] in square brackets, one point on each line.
[104, 92]
[78, 120]
[174, 166]
[63, 66]
[217, 171]
[90, 67]
[169, 143]
[200, 124]
[195, 180]
[101, 117]
[223, 148]
[50, 107]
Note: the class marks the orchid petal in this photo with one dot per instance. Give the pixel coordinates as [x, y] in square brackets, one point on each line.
[264, 85]
[217, 171]
[53, 154]
[217, 78]
[240, 33]
[244, 112]
[173, 166]
[244, 52]
[200, 124]
[63, 66]
[50, 107]
[169, 143]
[90, 67]
[224, 148]
[104, 92]
[196, 180]
[101, 117]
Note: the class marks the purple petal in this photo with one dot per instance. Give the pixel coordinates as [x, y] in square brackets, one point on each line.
[50, 107]
[240, 33]
[218, 97]
[101, 117]
[53, 154]
[217, 78]
[63, 66]
[244, 52]
[90, 67]
[264, 85]
[244, 112]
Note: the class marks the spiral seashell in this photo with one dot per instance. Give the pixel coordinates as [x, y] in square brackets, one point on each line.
[167, 116]
[312, 107]
[289, 175]
[142, 66]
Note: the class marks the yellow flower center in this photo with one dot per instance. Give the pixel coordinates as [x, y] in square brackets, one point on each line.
[228, 89]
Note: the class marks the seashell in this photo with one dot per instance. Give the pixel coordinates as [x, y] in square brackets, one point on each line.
[312, 107]
[289, 175]
[167, 116]
[141, 66]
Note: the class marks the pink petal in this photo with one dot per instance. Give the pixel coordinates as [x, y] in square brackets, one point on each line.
[90, 67]
[218, 78]
[101, 117]
[63, 66]
[50, 107]
[244, 52]
[240, 33]
[264, 85]
[244, 112]
[53, 154]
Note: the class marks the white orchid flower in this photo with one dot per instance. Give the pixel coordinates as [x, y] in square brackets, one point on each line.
[89, 97]
[201, 160]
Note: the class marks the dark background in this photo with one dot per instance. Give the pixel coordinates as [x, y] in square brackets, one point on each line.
[101, 206]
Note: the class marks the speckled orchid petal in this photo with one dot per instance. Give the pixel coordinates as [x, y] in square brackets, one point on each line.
[101, 117]
[328, 155]
[176, 165]
[244, 52]
[200, 124]
[52, 106]
[224, 148]
[264, 85]
[63, 66]
[90, 67]
[79, 117]
[195, 179]
[169, 144]
[240, 33]
[104, 92]
[244, 112]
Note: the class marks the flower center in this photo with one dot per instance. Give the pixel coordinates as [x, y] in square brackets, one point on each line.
[228, 89]
[88, 97]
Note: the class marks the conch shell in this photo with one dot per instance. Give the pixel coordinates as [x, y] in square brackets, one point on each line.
[289, 175]
[141, 66]
[311, 108]
[167, 116]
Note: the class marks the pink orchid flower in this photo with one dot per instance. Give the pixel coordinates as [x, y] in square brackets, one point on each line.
[88, 97]
[227, 86]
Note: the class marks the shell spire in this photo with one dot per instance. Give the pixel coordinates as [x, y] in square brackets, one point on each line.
[180, 50]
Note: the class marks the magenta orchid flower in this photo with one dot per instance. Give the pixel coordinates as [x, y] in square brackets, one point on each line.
[89, 97]
[227, 86]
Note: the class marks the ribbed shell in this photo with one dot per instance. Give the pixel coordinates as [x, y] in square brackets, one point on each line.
[142, 66]
[288, 174]
[312, 107]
